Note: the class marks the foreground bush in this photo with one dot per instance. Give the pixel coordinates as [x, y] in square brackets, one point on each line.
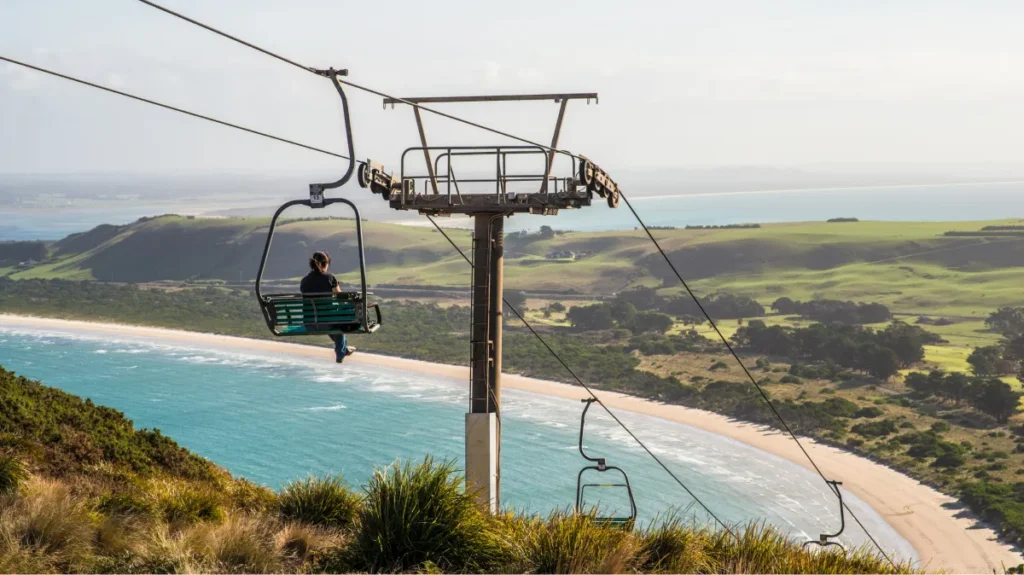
[12, 474]
[419, 515]
[325, 501]
[414, 518]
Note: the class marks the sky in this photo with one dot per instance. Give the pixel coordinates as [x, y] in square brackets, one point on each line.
[681, 84]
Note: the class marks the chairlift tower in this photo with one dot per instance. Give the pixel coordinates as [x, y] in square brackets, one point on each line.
[540, 181]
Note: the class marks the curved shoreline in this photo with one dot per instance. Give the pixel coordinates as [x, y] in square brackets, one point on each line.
[926, 518]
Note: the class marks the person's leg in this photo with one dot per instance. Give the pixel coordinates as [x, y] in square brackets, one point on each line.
[339, 346]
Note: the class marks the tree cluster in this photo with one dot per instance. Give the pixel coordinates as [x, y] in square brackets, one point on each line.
[1008, 321]
[831, 310]
[986, 395]
[878, 353]
[617, 314]
[12, 253]
[718, 306]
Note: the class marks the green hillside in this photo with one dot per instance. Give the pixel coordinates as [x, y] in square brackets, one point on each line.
[82, 491]
[913, 267]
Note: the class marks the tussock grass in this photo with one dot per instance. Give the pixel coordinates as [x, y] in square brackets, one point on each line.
[48, 522]
[326, 501]
[12, 474]
[571, 542]
[186, 503]
[415, 515]
[411, 518]
[241, 544]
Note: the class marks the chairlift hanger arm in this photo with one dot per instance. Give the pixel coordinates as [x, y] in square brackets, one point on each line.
[317, 189]
[825, 539]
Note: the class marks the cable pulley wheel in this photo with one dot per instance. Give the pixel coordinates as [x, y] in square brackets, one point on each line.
[364, 176]
[586, 173]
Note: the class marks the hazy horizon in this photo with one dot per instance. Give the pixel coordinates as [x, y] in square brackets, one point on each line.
[742, 83]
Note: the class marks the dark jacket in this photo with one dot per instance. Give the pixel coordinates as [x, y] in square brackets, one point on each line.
[317, 282]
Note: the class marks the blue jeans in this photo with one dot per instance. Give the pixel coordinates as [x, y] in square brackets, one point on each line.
[340, 345]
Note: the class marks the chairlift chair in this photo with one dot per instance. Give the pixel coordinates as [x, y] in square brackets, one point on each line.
[824, 540]
[347, 312]
[601, 466]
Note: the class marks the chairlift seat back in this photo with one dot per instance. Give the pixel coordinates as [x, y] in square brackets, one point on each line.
[309, 314]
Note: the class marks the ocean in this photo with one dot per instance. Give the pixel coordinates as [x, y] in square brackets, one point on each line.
[931, 202]
[272, 419]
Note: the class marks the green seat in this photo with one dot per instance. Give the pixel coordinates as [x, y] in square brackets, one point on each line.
[298, 314]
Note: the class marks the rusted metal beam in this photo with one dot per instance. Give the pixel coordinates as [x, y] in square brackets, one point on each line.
[554, 145]
[426, 150]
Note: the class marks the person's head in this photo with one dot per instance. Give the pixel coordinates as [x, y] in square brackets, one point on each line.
[319, 262]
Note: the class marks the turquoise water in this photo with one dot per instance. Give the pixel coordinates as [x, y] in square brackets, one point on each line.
[273, 418]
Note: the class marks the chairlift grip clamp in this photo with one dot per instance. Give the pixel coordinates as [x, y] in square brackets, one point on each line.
[330, 72]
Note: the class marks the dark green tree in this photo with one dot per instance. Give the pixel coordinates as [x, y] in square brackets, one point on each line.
[591, 317]
[879, 361]
[922, 384]
[1008, 321]
[956, 386]
[651, 321]
[516, 299]
[994, 397]
[985, 360]
[784, 305]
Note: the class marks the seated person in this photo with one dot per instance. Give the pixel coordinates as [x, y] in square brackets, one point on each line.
[319, 281]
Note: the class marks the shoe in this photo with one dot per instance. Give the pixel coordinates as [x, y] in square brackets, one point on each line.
[350, 350]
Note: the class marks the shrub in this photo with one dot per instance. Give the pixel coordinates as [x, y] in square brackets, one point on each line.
[125, 504]
[248, 496]
[940, 427]
[950, 459]
[323, 501]
[718, 365]
[790, 379]
[868, 413]
[12, 474]
[415, 514]
[875, 428]
[188, 503]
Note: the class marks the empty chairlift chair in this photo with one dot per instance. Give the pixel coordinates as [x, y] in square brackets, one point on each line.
[602, 467]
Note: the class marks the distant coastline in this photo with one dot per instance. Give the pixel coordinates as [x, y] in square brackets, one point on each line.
[658, 204]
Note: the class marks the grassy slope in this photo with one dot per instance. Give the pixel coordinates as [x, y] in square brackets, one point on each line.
[99, 496]
[910, 266]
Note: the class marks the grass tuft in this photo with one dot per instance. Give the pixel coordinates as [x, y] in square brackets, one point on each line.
[241, 544]
[571, 542]
[325, 501]
[186, 503]
[13, 474]
[415, 515]
[48, 521]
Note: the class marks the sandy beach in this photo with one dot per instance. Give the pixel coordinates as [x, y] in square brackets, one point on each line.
[925, 517]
